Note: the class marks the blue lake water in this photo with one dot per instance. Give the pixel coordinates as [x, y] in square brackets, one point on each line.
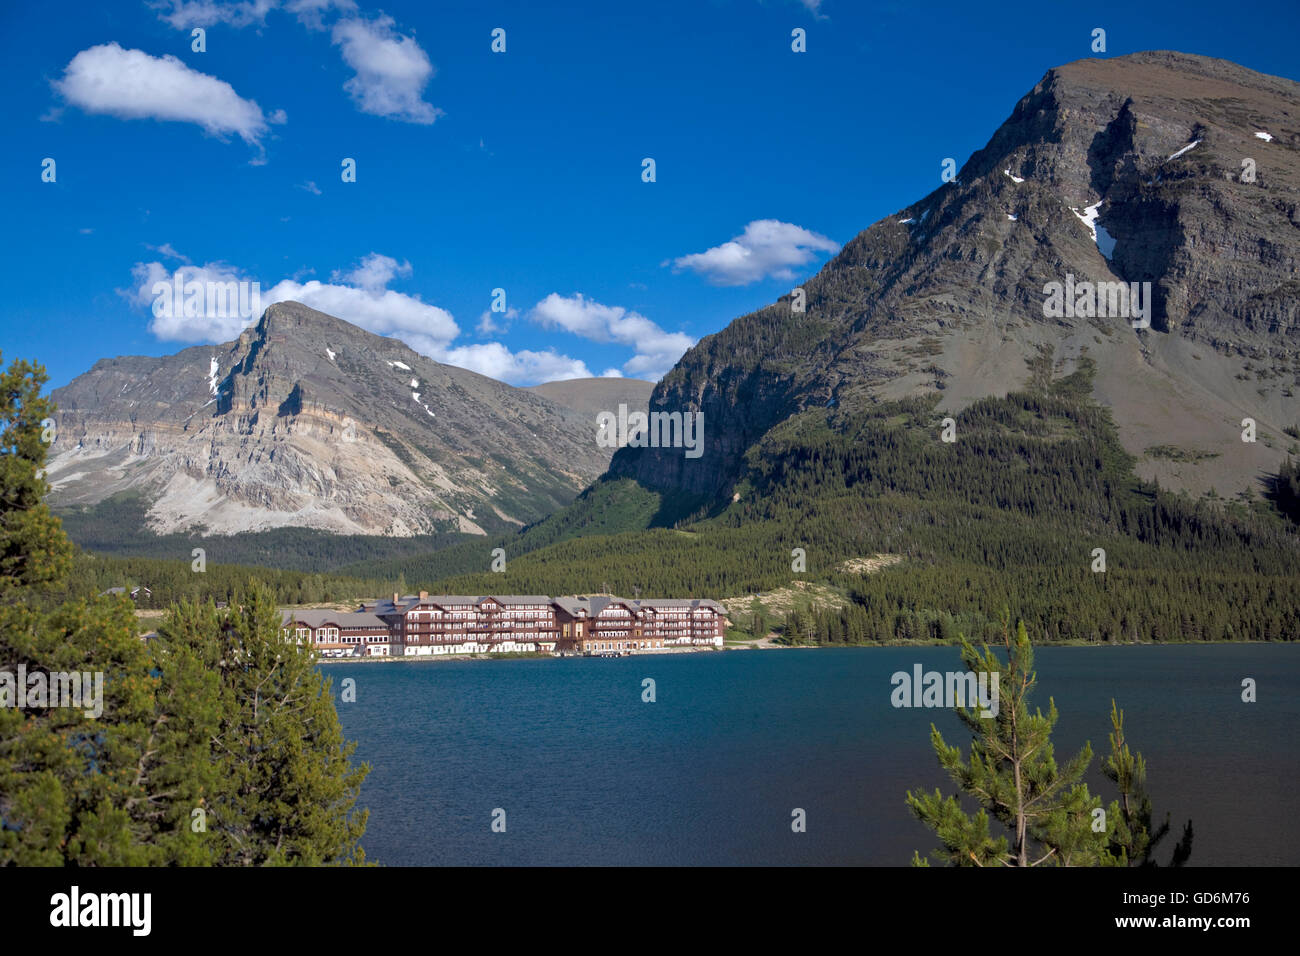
[588, 773]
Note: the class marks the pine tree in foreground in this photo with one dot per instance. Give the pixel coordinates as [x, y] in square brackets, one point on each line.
[33, 548]
[1133, 839]
[287, 791]
[1013, 776]
[100, 784]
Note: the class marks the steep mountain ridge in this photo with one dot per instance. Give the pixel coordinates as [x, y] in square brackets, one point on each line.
[308, 421]
[949, 293]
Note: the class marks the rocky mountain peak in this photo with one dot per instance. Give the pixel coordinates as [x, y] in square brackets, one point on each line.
[1165, 168]
[307, 420]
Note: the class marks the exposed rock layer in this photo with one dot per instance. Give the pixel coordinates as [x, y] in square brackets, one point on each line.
[309, 421]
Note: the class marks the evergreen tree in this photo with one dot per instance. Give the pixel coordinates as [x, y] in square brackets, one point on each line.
[1132, 838]
[76, 786]
[33, 548]
[790, 630]
[807, 624]
[1286, 489]
[1013, 775]
[287, 790]
[69, 781]
[758, 626]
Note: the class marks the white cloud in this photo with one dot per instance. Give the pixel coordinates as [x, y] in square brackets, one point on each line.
[487, 322]
[167, 250]
[611, 373]
[311, 12]
[392, 70]
[176, 326]
[374, 272]
[310, 186]
[359, 296]
[766, 249]
[517, 368]
[131, 84]
[184, 14]
[657, 350]
[426, 328]
[652, 367]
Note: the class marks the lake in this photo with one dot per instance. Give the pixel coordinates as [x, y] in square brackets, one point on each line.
[709, 774]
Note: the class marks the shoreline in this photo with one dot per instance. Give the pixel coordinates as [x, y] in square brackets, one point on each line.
[508, 656]
[757, 646]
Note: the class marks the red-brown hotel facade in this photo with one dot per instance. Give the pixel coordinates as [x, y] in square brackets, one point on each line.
[425, 625]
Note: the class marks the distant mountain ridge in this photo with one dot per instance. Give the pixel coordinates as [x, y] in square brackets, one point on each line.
[591, 396]
[308, 421]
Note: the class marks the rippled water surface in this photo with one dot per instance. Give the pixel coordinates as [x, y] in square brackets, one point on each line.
[587, 773]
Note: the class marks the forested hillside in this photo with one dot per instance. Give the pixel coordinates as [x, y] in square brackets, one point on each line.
[172, 581]
[1010, 514]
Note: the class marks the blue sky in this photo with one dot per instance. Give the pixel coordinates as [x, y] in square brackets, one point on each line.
[519, 170]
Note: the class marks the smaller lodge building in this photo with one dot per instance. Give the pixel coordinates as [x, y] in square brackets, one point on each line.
[425, 625]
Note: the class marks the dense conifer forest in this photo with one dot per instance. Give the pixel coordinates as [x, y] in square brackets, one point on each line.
[172, 581]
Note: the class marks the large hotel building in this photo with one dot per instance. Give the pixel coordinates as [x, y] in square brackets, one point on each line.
[423, 625]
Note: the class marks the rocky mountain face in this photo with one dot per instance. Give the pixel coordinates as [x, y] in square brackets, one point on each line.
[309, 421]
[1181, 171]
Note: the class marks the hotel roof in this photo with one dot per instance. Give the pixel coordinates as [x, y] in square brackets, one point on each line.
[317, 618]
[408, 601]
[680, 602]
[590, 605]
